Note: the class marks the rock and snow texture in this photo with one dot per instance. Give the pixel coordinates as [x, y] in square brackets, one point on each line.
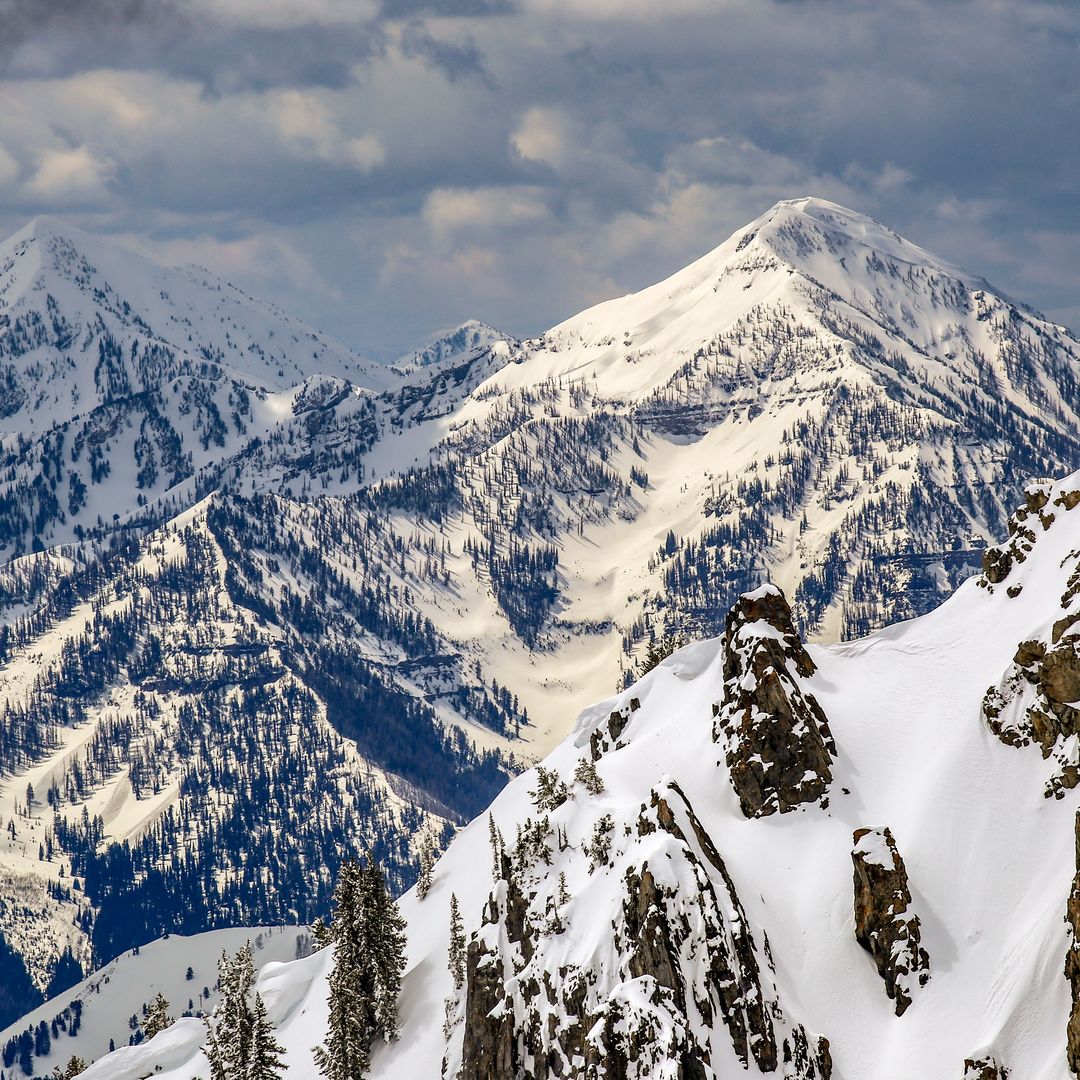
[779, 749]
[389, 581]
[458, 346]
[683, 981]
[884, 924]
[648, 916]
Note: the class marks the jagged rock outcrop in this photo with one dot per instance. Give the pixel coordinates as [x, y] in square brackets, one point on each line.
[884, 924]
[1037, 699]
[1025, 525]
[984, 1068]
[606, 737]
[778, 745]
[684, 967]
[1072, 964]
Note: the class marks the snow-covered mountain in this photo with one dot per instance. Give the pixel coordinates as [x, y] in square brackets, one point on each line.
[463, 343]
[266, 606]
[771, 858]
[126, 384]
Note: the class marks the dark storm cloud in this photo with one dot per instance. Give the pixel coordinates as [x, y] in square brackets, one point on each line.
[454, 8]
[62, 25]
[454, 59]
[518, 159]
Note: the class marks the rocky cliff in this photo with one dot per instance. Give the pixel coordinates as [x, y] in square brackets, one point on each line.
[778, 746]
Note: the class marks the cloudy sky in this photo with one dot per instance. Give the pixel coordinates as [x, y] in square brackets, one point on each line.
[388, 168]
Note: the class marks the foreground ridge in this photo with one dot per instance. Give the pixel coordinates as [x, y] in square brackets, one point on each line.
[636, 922]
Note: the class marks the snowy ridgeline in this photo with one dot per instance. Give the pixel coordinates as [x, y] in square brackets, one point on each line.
[626, 912]
[302, 607]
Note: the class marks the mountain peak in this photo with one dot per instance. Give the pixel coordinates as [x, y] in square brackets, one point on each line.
[799, 229]
[450, 346]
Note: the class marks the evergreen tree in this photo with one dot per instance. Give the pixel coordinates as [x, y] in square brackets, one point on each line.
[427, 865]
[320, 934]
[214, 1054]
[585, 773]
[368, 935]
[493, 839]
[158, 1018]
[229, 1030]
[264, 1062]
[345, 1055]
[236, 1015]
[457, 945]
[74, 1066]
[388, 931]
[551, 790]
[658, 651]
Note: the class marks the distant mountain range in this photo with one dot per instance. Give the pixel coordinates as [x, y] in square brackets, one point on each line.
[266, 604]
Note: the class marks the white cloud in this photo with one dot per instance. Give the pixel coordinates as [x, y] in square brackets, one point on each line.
[268, 259]
[74, 176]
[307, 125]
[453, 210]
[9, 167]
[545, 136]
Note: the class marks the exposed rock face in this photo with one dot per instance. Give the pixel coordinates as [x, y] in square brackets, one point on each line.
[1037, 699]
[684, 967]
[883, 925]
[1072, 964]
[984, 1068]
[1025, 525]
[601, 741]
[490, 1048]
[776, 736]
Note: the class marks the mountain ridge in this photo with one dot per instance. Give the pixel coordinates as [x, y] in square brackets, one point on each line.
[643, 921]
[441, 573]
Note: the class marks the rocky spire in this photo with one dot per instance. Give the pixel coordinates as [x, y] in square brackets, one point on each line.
[776, 736]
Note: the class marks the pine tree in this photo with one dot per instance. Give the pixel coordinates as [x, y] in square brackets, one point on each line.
[585, 773]
[235, 1025]
[74, 1066]
[427, 865]
[457, 945]
[551, 790]
[214, 1054]
[158, 1018]
[388, 938]
[345, 1054]
[320, 934]
[229, 1029]
[493, 835]
[368, 935]
[264, 1061]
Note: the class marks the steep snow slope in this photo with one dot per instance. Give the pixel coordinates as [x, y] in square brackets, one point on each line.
[989, 862]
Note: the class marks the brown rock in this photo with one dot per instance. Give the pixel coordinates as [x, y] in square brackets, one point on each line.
[996, 564]
[984, 1068]
[779, 746]
[883, 926]
[1059, 677]
[1072, 965]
